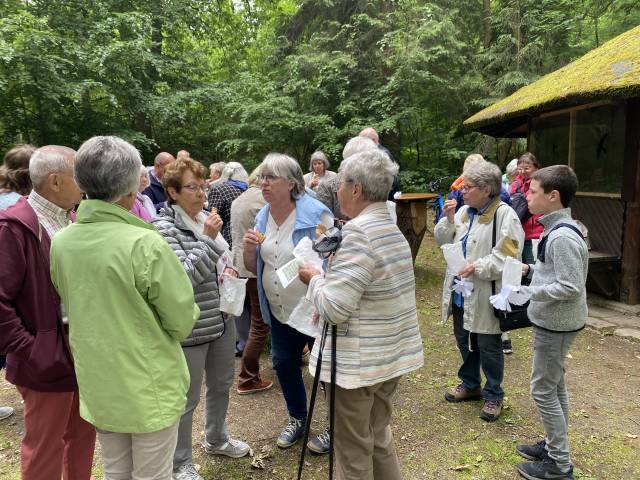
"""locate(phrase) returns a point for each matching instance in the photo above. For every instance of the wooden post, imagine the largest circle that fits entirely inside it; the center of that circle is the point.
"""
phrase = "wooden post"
(630, 282)
(411, 209)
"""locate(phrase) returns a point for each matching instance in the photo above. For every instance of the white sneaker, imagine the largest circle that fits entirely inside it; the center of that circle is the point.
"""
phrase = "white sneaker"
(231, 448)
(187, 472)
(6, 412)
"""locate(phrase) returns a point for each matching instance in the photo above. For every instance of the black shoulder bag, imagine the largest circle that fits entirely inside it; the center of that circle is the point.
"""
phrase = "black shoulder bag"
(519, 204)
(517, 317)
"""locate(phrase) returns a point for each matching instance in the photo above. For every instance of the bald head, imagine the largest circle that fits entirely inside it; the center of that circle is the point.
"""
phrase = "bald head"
(370, 133)
(51, 172)
(160, 164)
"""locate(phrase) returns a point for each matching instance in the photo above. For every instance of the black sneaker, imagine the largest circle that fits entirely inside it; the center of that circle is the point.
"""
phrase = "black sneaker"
(537, 451)
(545, 469)
(507, 348)
(320, 444)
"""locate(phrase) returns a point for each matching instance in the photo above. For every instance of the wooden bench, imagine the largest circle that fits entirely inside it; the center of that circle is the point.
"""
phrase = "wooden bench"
(604, 275)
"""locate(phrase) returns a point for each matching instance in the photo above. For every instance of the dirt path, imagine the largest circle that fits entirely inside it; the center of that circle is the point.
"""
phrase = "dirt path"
(435, 439)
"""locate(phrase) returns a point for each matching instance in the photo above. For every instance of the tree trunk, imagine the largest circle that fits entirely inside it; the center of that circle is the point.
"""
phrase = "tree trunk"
(486, 21)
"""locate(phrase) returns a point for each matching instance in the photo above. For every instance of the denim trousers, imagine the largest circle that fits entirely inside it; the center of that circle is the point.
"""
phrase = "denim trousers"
(287, 344)
(479, 351)
(549, 391)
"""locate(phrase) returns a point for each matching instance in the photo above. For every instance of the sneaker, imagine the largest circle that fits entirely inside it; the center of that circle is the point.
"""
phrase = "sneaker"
(6, 412)
(320, 444)
(231, 448)
(544, 470)
(507, 348)
(291, 433)
(461, 394)
(491, 410)
(186, 472)
(537, 451)
(258, 386)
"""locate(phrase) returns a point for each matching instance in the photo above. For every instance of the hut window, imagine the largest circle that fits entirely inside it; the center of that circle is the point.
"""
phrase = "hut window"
(599, 148)
(549, 139)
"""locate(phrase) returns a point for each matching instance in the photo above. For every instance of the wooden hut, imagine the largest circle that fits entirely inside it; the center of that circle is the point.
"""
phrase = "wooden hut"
(587, 115)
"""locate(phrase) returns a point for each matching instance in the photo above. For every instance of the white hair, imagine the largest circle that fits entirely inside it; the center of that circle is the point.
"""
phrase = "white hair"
(107, 168)
(287, 167)
(512, 167)
(217, 167)
(374, 170)
(234, 171)
(485, 174)
(48, 160)
(357, 145)
(471, 160)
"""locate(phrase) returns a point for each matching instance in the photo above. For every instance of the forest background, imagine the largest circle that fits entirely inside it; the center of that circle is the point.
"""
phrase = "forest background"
(236, 79)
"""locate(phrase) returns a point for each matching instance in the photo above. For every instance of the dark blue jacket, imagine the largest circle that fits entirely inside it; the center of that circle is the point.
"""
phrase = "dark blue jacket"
(155, 191)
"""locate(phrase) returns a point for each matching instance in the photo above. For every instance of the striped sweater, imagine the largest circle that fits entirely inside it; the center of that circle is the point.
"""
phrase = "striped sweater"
(369, 292)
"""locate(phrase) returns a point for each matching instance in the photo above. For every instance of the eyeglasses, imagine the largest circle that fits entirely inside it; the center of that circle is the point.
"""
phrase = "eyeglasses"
(467, 187)
(267, 178)
(195, 188)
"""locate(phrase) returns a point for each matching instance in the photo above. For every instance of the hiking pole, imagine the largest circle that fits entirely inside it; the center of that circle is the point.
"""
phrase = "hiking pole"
(332, 397)
(312, 401)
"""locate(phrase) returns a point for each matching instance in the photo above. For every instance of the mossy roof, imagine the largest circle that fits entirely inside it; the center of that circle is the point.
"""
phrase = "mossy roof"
(609, 71)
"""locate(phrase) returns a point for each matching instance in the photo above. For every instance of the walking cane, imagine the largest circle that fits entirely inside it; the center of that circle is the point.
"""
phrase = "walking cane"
(312, 401)
(329, 243)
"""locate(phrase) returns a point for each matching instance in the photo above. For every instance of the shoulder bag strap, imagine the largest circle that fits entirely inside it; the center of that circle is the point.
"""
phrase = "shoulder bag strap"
(493, 244)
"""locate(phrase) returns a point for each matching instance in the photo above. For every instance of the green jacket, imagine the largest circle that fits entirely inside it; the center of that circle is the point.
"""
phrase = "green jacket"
(129, 304)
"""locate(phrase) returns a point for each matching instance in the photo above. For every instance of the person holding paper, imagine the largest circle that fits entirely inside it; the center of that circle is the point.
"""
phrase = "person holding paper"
(475, 326)
(369, 293)
(195, 237)
(289, 215)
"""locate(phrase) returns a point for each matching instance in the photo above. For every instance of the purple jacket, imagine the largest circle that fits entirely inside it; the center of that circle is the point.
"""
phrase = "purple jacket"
(31, 329)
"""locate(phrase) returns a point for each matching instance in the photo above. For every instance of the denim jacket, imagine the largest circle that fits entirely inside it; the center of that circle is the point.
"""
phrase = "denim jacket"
(308, 213)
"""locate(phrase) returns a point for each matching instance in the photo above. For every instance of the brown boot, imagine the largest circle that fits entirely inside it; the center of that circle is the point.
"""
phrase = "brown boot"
(491, 410)
(461, 394)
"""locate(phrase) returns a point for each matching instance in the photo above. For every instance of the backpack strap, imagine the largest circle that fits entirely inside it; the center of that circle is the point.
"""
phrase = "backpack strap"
(543, 241)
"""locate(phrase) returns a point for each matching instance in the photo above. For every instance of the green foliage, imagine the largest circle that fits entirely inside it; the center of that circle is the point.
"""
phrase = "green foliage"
(235, 79)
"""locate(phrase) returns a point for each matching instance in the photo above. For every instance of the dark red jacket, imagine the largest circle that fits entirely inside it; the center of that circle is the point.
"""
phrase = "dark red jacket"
(31, 329)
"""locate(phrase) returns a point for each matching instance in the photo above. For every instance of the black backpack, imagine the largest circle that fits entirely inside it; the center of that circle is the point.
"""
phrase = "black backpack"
(520, 205)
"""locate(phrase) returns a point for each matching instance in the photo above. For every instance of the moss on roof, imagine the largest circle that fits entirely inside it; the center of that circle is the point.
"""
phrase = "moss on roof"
(610, 71)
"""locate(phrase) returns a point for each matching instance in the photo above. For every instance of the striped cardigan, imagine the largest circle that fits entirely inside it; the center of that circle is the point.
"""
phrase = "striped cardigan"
(369, 292)
(198, 256)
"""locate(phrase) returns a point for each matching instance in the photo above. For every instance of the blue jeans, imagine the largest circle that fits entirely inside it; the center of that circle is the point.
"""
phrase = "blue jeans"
(485, 353)
(286, 352)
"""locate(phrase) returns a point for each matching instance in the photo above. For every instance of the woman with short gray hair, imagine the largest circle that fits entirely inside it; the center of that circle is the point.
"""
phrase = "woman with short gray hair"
(476, 328)
(318, 170)
(370, 169)
(289, 215)
(126, 295)
(369, 294)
